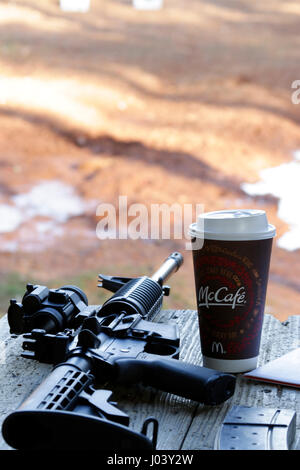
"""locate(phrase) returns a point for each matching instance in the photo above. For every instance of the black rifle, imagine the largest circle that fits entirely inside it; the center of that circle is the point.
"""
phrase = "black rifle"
(91, 345)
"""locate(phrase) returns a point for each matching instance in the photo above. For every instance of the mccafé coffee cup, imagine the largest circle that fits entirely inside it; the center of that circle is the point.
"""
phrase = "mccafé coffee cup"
(231, 275)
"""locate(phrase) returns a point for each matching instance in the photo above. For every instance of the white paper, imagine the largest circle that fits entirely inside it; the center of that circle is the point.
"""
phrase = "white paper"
(284, 370)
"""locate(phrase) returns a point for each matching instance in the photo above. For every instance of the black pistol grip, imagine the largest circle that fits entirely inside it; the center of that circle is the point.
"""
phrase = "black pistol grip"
(207, 386)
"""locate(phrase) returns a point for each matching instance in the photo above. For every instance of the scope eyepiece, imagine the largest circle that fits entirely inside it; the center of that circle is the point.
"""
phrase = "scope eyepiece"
(34, 296)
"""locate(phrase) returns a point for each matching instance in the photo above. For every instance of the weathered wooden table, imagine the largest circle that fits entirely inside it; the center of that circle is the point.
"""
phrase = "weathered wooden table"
(184, 424)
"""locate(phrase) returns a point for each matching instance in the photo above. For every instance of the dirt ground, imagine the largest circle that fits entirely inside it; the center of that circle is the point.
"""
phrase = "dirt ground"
(178, 105)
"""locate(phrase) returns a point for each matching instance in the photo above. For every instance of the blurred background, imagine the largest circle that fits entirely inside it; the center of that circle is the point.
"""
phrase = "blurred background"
(189, 103)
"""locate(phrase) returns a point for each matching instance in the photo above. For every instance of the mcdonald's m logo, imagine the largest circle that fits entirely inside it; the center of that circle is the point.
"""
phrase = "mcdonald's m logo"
(217, 347)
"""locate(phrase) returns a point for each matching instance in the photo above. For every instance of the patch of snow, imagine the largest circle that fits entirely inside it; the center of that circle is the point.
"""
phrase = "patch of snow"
(147, 4)
(283, 182)
(51, 199)
(10, 218)
(36, 218)
(80, 6)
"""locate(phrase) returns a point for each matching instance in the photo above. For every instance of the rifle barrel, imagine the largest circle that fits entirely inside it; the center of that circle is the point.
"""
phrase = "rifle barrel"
(169, 266)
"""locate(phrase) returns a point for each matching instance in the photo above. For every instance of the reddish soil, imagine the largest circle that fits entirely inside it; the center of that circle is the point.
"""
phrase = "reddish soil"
(179, 105)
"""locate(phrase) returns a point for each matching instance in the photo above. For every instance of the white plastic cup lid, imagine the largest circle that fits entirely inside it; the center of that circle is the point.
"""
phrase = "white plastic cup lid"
(244, 224)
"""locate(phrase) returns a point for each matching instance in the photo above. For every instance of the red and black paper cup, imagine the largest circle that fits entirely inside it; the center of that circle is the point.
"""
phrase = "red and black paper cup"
(231, 255)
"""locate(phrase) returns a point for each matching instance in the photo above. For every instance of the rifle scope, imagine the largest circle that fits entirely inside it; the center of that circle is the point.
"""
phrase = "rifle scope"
(51, 310)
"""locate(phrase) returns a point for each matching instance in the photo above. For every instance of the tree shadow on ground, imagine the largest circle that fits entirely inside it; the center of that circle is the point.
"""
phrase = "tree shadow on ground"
(174, 162)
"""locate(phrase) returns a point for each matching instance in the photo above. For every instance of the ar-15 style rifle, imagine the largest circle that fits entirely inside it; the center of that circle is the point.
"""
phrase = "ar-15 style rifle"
(91, 345)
